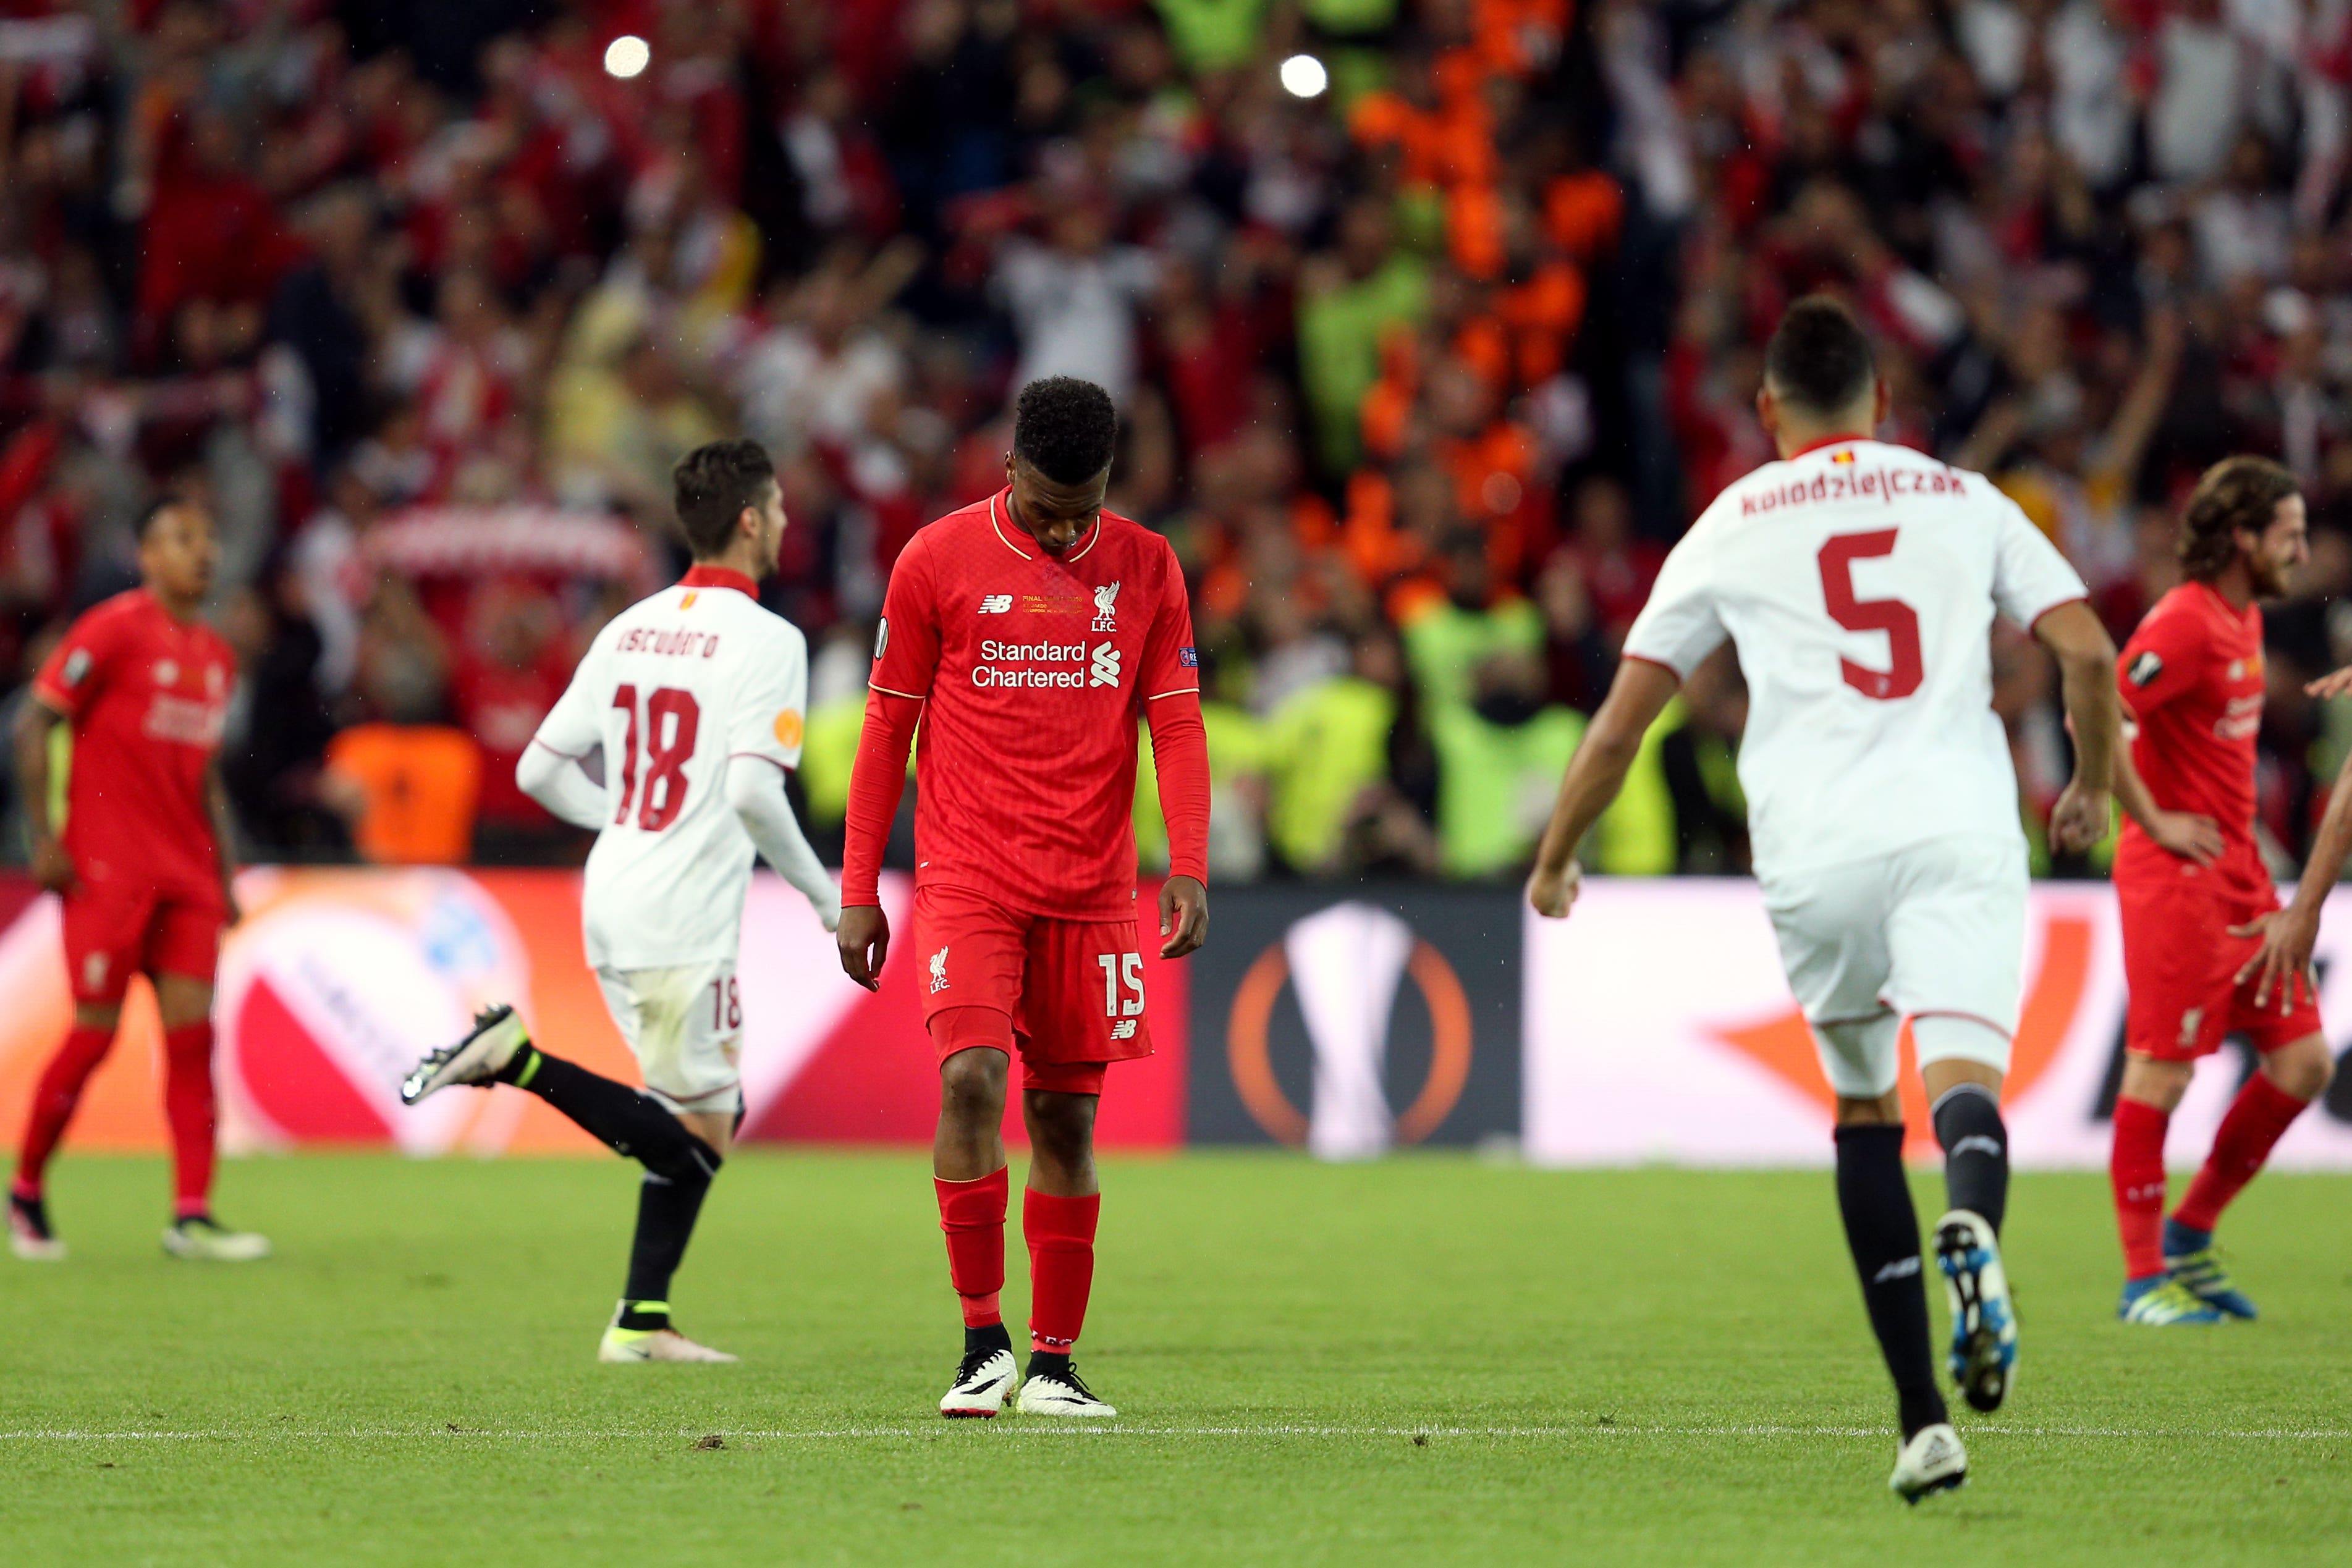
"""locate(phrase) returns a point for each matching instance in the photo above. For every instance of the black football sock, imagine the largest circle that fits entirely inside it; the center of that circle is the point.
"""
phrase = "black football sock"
(667, 1209)
(1883, 1230)
(1976, 1151)
(988, 1336)
(1047, 1364)
(630, 1123)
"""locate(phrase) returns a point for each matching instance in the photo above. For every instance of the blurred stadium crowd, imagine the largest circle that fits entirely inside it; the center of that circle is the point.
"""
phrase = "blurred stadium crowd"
(1427, 345)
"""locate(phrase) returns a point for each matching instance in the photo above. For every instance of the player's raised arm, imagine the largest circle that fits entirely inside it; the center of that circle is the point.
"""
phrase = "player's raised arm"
(2086, 663)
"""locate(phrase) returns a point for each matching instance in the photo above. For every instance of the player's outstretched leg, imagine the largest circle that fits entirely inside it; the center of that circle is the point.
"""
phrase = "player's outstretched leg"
(2292, 1077)
(971, 1183)
(1983, 1357)
(1058, 1212)
(55, 1098)
(1882, 1232)
(630, 1123)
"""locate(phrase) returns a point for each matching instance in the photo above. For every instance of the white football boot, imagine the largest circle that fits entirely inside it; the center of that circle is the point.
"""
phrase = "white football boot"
(1062, 1394)
(622, 1345)
(205, 1239)
(981, 1383)
(30, 1236)
(1932, 1461)
(481, 1056)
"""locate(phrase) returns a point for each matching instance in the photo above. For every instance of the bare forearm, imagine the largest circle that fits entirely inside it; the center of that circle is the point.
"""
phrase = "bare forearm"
(1595, 775)
(2329, 850)
(2131, 791)
(224, 827)
(31, 741)
(2089, 689)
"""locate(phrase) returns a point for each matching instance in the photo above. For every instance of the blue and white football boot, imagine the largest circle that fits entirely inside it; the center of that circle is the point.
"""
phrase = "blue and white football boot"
(1984, 1320)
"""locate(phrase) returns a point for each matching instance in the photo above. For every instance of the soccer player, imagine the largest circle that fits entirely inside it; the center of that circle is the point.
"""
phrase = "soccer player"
(1027, 633)
(2206, 952)
(144, 861)
(697, 699)
(1858, 581)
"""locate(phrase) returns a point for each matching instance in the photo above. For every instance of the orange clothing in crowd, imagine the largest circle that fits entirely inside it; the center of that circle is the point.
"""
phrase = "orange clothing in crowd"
(421, 782)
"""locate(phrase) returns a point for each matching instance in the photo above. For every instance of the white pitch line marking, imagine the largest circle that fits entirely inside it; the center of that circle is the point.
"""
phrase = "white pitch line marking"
(1113, 1429)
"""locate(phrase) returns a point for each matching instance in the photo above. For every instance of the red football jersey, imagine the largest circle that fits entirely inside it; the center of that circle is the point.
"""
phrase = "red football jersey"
(1033, 670)
(146, 695)
(2191, 679)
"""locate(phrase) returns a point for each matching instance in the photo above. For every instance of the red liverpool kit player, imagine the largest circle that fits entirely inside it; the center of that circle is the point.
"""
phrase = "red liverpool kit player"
(142, 863)
(2198, 905)
(1028, 634)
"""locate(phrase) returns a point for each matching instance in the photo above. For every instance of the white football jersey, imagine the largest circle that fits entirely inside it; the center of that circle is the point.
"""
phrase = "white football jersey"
(673, 688)
(1858, 581)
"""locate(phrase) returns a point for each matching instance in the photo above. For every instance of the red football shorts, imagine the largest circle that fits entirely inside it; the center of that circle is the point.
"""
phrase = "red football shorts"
(2181, 964)
(112, 933)
(1073, 988)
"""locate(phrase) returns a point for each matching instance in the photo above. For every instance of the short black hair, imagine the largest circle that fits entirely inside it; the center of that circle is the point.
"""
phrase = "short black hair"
(155, 509)
(1818, 360)
(714, 483)
(1064, 428)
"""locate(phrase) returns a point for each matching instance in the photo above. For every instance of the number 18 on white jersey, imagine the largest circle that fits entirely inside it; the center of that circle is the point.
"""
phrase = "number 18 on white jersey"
(673, 688)
(1858, 581)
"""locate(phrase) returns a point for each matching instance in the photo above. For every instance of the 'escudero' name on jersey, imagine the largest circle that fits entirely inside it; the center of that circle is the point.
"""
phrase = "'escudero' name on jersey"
(674, 689)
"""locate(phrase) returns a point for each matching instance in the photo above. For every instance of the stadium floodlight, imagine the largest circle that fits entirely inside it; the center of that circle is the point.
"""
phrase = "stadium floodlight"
(1303, 76)
(627, 57)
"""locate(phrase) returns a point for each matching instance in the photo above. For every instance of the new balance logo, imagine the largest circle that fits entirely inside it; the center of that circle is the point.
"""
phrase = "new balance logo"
(939, 971)
(996, 604)
(1901, 1269)
(1124, 1029)
(1105, 672)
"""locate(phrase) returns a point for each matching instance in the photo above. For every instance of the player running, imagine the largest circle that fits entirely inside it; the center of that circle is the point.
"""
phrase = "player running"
(1027, 633)
(144, 861)
(697, 698)
(1858, 583)
(2206, 951)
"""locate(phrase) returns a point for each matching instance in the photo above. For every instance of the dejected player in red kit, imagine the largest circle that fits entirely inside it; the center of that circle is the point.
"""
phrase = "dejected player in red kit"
(2199, 906)
(142, 860)
(1028, 634)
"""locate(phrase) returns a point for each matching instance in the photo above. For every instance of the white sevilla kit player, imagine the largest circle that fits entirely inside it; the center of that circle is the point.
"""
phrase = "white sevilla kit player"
(1859, 581)
(698, 699)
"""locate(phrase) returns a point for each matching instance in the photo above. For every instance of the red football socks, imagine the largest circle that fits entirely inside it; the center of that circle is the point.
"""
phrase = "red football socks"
(188, 1106)
(1061, 1236)
(2136, 1170)
(54, 1099)
(972, 1213)
(2257, 1117)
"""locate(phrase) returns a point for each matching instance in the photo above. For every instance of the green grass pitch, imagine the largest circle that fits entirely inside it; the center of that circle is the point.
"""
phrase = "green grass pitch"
(1427, 1360)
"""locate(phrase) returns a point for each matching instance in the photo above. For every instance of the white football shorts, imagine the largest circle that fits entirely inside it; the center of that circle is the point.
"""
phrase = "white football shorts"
(685, 1026)
(1934, 929)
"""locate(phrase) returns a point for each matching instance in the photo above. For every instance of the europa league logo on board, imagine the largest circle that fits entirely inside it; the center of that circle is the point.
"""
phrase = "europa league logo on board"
(1347, 965)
